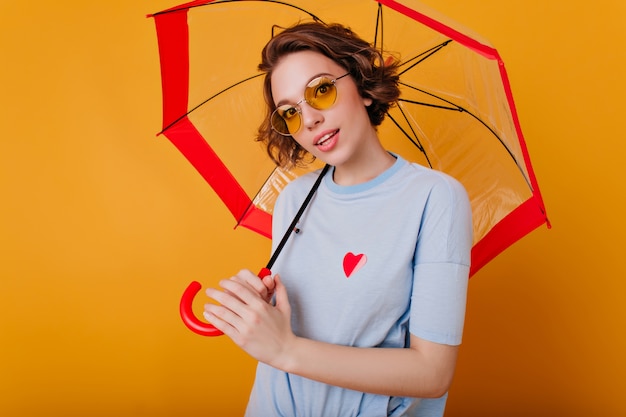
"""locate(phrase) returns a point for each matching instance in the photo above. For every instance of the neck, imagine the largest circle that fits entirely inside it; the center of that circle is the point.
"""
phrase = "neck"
(365, 167)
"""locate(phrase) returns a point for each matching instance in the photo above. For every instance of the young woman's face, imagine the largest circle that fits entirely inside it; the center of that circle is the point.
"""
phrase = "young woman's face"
(335, 134)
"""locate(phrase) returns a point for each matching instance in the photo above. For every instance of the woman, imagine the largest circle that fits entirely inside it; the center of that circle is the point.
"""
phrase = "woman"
(369, 296)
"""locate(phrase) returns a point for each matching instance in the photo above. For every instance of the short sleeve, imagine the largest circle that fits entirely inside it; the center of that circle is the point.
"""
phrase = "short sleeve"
(441, 265)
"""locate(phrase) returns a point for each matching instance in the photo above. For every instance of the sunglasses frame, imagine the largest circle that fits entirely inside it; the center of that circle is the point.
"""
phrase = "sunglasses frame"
(297, 107)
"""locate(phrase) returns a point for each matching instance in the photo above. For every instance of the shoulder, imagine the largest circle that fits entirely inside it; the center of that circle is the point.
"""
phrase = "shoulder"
(446, 205)
(446, 230)
(304, 181)
(300, 185)
(295, 192)
(440, 187)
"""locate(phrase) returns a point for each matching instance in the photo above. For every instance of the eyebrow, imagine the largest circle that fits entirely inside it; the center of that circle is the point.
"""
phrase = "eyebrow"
(322, 74)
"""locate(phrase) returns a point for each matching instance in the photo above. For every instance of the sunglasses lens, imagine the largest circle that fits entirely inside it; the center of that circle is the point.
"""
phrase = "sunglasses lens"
(321, 93)
(286, 120)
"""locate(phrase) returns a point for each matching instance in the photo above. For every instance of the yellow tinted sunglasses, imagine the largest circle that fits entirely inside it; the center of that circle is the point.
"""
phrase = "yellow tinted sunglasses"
(320, 93)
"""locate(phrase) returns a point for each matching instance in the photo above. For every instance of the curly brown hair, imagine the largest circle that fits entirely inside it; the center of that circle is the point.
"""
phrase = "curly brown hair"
(375, 79)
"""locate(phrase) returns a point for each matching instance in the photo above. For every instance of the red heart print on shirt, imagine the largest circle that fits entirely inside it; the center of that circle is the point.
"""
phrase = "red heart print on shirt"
(352, 263)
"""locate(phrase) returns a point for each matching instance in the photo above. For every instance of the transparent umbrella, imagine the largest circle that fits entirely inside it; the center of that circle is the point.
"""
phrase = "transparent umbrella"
(456, 113)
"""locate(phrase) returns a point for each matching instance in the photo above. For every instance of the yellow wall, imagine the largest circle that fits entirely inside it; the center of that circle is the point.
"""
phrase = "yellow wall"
(102, 225)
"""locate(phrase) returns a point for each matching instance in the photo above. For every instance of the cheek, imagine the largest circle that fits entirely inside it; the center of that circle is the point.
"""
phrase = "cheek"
(299, 140)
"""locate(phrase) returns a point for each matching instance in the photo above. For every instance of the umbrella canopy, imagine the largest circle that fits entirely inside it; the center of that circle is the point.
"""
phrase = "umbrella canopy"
(456, 113)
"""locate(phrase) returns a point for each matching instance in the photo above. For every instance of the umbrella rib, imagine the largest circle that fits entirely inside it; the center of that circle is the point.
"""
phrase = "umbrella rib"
(379, 27)
(209, 99)
(437, 106)
(424, 55)
(212, 3)
(414, 139)
(456, 107)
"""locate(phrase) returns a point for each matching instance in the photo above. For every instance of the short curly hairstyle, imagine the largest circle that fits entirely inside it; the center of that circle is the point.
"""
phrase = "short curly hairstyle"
(375, 78)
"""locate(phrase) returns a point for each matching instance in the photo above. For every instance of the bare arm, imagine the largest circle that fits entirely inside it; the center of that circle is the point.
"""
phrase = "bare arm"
(425, 369)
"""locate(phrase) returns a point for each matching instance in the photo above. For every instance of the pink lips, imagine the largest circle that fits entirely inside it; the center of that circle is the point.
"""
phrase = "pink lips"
(327, 140)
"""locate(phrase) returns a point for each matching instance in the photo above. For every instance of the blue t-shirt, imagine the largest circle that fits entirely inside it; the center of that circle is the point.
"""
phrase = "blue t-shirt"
(371, 263)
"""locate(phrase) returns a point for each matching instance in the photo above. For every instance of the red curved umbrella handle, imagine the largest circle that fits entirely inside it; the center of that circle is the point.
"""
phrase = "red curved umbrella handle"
(186, 312)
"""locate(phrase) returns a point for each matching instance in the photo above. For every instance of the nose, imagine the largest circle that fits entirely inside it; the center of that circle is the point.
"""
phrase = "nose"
(311, 117)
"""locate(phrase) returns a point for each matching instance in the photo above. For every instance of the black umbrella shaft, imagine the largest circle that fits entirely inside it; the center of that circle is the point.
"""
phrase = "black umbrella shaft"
(296, 219)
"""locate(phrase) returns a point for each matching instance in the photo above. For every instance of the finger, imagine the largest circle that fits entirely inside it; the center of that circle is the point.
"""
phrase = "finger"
(229, 301)
(246, 277)
(282, 300)
(270, 284)
(244, 304)
(241, 291)
(214, 314)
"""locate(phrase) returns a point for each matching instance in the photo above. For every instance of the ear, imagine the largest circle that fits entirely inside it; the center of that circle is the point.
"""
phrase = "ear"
(367, 102)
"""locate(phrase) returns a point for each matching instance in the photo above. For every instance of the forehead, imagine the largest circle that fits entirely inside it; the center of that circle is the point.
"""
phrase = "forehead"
(294, 71)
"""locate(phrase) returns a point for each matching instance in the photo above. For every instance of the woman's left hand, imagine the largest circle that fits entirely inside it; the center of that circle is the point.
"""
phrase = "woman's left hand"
(259, 328)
